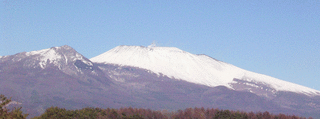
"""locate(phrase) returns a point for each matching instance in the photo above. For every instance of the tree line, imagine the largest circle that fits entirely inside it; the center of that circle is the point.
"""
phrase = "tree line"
(138, 113)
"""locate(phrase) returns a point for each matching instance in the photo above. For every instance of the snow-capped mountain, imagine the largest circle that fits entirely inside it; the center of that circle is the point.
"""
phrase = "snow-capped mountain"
(64, 58)
(145, 77)
(56, 76)
(57, 56)
(199, 69)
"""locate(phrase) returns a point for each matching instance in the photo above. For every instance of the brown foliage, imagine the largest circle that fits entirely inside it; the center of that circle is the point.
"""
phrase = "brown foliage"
(139, 113)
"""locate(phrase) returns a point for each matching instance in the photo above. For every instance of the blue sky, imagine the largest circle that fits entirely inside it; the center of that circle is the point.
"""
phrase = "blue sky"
(272, 37)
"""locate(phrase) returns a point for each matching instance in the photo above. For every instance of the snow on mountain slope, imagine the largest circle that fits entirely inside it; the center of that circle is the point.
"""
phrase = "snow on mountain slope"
(64, 58)
(46, 56)
(56, 56)
(199, 69)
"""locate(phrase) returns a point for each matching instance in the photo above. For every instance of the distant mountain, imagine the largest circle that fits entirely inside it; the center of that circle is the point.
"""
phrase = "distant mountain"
(145, 77)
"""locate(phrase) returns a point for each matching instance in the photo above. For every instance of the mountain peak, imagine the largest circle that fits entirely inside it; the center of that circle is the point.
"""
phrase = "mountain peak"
(64, 58)
(66, 47)
(199, 69)
(54, 55)
(51, 51)
(172, 62)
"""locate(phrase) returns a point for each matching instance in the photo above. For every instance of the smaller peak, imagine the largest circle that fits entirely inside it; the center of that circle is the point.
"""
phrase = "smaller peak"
(52, 49)
(65, 47)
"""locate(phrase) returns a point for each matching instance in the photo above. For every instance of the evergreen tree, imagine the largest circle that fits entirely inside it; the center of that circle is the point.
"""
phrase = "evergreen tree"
(5, 113)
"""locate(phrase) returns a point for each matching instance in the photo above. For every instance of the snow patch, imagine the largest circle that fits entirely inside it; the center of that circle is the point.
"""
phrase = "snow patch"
(250, 84)
(86, 62)
(46, 56)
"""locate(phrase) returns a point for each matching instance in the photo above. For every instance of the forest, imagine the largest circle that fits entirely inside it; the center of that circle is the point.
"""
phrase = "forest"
(137, 113)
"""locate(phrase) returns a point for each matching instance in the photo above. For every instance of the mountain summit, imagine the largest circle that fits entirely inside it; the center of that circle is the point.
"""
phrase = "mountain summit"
(199, 69)
(64, 58)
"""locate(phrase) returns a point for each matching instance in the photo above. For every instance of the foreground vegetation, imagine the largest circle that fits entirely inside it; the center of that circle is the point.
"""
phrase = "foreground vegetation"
(5, 113)
(137, 113)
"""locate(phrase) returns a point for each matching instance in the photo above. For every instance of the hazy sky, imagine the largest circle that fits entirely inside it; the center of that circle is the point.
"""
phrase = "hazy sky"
(280, 38)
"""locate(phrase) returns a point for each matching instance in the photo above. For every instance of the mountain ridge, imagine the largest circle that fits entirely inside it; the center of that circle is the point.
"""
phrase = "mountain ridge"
(72, 81)
(53, 54)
